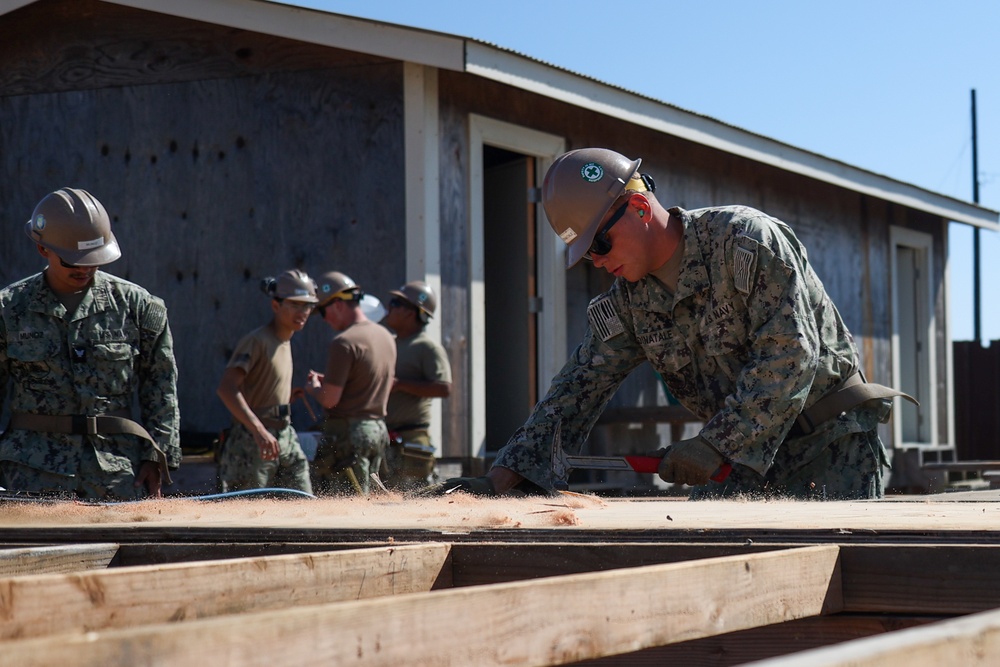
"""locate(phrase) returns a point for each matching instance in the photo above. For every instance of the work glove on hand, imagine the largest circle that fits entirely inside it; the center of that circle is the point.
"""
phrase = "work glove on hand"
(692, 462)
(476, 486)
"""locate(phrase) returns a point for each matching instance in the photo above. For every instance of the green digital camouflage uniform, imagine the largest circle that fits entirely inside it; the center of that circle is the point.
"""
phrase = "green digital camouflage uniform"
(241, 466)
(748, 341)
(350, 450)
(89, 363)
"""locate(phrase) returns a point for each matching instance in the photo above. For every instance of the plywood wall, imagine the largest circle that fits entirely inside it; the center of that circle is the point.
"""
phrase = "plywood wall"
(222, 157)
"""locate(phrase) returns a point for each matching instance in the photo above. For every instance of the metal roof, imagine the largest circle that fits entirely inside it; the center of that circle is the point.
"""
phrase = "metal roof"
(463, 54)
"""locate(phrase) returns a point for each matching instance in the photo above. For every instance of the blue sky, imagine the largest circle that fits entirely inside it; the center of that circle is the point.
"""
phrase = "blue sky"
(881, 84)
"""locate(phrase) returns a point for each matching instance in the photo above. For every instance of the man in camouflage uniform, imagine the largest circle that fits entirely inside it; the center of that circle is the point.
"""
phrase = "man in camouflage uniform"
(262, 450)
(422, 374)
(726, 307)
(75, 345)
(354, 390)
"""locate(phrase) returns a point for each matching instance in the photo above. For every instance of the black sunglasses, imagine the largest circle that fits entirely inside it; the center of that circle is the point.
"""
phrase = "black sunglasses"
(63, 263)
(396, 302)
(601, 245)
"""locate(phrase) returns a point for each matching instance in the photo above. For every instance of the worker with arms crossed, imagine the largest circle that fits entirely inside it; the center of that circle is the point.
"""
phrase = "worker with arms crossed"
(724, 304)
(78, 347)
(422, 374)
(354, 390)
(262, 450)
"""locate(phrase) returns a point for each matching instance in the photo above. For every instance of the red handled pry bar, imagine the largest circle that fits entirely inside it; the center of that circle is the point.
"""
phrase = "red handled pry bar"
(563, 463)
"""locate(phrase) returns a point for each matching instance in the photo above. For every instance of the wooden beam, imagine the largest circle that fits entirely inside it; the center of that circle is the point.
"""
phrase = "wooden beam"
(547, 621)
(43, 560)
(770, 641)
(127, 597)
(970, 641)
(907, 579)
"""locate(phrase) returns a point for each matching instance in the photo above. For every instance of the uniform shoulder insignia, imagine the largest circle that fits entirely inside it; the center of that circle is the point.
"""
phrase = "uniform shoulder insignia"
(744, 268)
(154, 316)
(604, 319)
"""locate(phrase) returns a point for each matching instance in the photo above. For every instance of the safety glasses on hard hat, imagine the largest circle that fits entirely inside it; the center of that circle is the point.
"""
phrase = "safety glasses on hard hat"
(601, 245)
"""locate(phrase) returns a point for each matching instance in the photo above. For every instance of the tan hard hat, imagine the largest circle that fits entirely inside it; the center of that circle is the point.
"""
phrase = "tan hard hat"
(295, 285)
(336, 285)
(419, 294)
(75, 226)
(579, 189)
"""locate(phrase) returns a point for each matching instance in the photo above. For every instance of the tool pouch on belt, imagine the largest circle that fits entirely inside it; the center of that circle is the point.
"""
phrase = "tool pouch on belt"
(849, 394)
(90, 425)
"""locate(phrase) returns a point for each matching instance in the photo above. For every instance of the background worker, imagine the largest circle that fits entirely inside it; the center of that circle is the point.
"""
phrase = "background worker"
(354, 390)
(724, 304)
(262, 449)
(422, 373)
(77, 348)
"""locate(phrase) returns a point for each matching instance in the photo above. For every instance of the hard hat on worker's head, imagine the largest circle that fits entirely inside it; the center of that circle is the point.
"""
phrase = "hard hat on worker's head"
(75, 227)
(293, 285)
(419, 295)
(334, 285)
(580, 188)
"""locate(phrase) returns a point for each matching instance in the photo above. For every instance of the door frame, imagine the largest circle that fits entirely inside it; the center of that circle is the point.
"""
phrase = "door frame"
(551, 275)
(923, 244)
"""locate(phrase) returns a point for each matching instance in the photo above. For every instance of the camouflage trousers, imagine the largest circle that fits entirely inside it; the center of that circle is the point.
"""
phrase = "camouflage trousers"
(849, 468)
(349, 451)
(241, 466)
(91, 481)
(409, 460)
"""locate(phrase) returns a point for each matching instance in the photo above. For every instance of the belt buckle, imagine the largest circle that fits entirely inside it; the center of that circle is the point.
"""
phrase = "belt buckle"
(84, 425)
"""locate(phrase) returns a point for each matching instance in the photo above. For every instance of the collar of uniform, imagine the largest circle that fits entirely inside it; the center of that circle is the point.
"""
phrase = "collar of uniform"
(693, 276)
(97, 298)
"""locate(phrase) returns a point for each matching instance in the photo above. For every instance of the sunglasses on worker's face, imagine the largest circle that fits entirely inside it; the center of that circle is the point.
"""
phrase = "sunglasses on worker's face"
(601, 245)
(66, 265)
(396, 302)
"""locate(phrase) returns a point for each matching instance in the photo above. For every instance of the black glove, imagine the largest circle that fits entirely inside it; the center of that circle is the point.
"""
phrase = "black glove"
(692, 461)
(476, 486)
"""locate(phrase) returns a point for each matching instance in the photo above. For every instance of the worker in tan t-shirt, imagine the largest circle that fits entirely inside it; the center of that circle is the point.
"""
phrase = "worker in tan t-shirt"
(354, 390)
(262, 449)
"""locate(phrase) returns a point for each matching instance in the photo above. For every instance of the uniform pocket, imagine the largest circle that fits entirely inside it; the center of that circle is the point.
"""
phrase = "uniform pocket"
(31, 363)
(113, 365)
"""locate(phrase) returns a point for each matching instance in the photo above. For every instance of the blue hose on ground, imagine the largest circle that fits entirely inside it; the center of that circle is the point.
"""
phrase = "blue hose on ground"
(12, 496)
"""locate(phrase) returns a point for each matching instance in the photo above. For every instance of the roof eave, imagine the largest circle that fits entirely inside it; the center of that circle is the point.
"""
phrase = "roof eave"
(519, 71)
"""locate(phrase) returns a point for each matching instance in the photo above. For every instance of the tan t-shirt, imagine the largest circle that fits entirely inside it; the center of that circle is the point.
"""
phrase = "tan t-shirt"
(362, 360)
(418, 358)
(267, 361)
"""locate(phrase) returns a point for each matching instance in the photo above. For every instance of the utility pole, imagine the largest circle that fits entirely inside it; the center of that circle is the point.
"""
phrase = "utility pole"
(976, 319)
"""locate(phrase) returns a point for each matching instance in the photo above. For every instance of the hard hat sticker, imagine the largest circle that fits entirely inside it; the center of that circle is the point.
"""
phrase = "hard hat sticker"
(592, 172)
(87, 245)
(604, 318)
(39, 222)
(568, 235)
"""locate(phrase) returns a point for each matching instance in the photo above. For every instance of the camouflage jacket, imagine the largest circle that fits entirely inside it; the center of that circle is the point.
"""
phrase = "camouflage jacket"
(749, 340)
(116, 345)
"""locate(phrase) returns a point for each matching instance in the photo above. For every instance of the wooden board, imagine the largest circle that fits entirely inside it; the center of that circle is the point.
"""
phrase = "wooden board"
(128, 597)
(546, 621)
(42, 560)
(972, 641)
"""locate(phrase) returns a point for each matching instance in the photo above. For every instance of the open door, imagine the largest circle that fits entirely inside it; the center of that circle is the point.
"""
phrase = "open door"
(511, 298)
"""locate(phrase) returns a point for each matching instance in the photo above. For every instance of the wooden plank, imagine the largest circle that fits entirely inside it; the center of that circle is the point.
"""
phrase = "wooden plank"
(126, 597)
(770, 641)
(547, 621)
(909, 579)
(970, 641)
(492, 563)
(45, 560)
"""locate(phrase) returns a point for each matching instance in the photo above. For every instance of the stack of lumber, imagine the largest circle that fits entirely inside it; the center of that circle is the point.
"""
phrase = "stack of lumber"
(534, 581)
